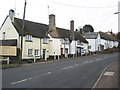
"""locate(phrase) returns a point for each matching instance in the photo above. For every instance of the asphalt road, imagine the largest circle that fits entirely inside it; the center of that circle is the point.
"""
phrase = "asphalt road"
(76, 73)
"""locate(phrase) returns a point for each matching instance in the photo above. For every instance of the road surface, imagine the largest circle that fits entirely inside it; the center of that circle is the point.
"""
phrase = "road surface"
(76, 73)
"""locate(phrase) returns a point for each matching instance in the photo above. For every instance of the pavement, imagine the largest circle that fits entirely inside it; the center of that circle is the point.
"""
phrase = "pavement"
(109, 77)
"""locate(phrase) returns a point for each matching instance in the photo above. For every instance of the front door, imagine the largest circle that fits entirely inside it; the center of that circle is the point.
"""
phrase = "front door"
(44, 53)
(61, 51)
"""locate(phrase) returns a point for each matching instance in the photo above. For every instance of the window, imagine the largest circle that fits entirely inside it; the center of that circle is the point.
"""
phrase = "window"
(28, 38)
(67, 40)
(36, 52)
(30, 52)
(45, 40)
(89, 47)
(62, 41)
(79, 43)
(3, 35)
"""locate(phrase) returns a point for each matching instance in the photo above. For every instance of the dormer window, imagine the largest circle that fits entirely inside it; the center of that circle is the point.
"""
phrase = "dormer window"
(28, 38)
(45, 41)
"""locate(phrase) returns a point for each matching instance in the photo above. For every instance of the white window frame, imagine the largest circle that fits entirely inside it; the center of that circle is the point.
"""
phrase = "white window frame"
(45, 41)
(62, 41)
(36, 52)
(67, 40)
(28, 38)
(30, 52)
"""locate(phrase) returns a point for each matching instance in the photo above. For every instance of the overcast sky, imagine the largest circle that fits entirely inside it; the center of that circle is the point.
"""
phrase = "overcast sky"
(98, 13)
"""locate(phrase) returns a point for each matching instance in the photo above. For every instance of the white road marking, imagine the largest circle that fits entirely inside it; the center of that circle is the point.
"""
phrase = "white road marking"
(98, 59)
(76, 64)
(109, 73)
(19, 81)
(106, 57)
(85, 62)
(70, 66)
(100, 76)
(64, 68)
(31, 78)
(90, 61)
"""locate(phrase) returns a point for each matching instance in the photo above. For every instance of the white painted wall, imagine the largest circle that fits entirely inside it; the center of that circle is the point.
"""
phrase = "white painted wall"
(54, 46)
(115, 43)
(110, 44)
(86, 47)
(73, 45)
(10, 31)
(92, 44)
(65, 45)
(105, 43)
(35, 44)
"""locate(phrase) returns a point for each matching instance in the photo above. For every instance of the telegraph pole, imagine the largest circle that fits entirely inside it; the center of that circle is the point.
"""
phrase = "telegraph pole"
(22, 32)
(119, 16)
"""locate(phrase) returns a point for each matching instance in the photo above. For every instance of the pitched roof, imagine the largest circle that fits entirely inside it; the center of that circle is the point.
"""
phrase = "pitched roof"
(80, 37)
(41, 30)
(4, 21)
(107, 36)
(33, 28)
(90, 35)
(64, 33)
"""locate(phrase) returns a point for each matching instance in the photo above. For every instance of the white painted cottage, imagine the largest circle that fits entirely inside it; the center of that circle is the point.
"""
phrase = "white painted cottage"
(40, 40)
(94, 41)
(99, 41)
(64, 42)
(108, 40)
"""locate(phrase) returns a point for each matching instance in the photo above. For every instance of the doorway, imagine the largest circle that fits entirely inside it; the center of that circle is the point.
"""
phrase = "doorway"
(44, 53)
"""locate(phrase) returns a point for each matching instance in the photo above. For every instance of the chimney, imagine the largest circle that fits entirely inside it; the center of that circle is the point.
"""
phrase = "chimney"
(81, 31)
(72, 29)
(11, 15)
(52, 26)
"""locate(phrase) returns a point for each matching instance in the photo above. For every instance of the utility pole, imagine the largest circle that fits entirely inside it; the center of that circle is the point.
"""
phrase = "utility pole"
(22, 32)
(118, 12)
(119, 16)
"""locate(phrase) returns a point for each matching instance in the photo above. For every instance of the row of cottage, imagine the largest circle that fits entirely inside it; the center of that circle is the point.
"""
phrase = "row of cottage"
(50, 42)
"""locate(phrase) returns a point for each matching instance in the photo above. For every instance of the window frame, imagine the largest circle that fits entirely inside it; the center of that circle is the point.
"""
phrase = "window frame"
(89, 47)
(30, 52)
(45, 40)
(36, 52)
(28, 38)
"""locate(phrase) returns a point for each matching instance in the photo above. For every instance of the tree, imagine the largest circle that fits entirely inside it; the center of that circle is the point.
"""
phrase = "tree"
(118, 36)
(88, 28)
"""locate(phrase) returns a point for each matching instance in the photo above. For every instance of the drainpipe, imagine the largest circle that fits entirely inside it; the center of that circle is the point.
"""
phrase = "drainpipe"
(64, 46)
(40, 48)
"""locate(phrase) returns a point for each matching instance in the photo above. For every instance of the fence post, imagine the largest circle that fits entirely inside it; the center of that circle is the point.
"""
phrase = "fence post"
(8, 61)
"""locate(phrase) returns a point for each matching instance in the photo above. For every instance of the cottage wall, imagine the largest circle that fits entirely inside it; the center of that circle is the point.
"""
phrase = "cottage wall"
(9, 31)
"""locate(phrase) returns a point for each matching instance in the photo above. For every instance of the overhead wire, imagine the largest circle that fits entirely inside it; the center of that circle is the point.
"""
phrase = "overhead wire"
(76, 6)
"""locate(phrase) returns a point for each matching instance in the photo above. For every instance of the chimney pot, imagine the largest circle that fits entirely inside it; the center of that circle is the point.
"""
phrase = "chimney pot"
(11, 15)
